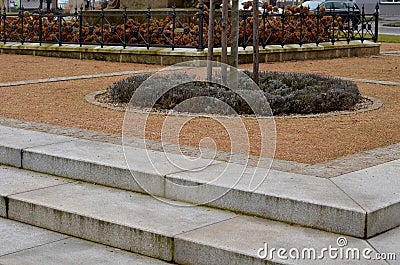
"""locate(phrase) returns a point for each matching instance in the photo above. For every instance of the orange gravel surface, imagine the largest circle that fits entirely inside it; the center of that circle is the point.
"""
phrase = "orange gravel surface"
(307, 140)
(24, 67)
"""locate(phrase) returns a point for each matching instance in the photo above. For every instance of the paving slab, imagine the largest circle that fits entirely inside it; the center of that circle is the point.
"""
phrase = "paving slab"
(243, 240)
(122, 219)
(289, 197)
(389, 244)
(377, 190)
(75, 251)
(14, 180)
(106, 164)
(13, 141)
(15, 237)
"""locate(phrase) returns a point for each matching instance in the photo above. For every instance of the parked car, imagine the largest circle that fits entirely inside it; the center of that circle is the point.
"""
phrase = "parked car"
(347, 10)
(242, 4)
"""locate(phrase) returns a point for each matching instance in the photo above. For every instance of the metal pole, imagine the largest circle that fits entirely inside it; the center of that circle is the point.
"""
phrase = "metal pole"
(102, 27)
(244, 17)
(125, 20)
(21, 16)
(173, 27)
(264, 16)
(318, 16)
(362, 24)
(200, 45)
(148, 26)
(40, 26)
(80, 26)
(376, 15)
(59, 29)
(283, 27)
(4, 24)
(301, 25)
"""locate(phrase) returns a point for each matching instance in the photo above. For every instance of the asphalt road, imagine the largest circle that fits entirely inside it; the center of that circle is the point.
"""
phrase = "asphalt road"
(389, 30)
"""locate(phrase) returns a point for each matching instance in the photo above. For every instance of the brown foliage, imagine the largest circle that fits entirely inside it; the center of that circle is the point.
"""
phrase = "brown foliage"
(299, 26)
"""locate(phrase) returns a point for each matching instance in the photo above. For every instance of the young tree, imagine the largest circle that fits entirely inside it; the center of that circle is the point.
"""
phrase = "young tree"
(234, 59)
(210, 52)
(255, 41)
(224, 41)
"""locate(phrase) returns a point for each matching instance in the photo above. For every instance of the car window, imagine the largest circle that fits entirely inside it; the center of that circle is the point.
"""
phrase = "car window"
(338, 5)
(328, 5)
(312, 5)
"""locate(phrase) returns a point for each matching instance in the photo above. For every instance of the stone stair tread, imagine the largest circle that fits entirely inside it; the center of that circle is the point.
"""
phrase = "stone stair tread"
(241, 238)
(24, 244)
(123, 219)
(175, 232)
(334, 204)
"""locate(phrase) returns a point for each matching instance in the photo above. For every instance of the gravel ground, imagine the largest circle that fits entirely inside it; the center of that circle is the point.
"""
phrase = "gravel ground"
(307, 140)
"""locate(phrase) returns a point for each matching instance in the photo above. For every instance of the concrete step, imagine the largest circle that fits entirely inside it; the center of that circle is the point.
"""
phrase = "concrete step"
(356, 204)
(166, 230)
(25, 244)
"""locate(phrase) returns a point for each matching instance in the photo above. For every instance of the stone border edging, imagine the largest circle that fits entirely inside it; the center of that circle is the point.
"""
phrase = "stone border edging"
(165, 56)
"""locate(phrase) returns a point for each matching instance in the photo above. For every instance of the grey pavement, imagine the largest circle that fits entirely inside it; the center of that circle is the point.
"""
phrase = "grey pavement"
(332, 204)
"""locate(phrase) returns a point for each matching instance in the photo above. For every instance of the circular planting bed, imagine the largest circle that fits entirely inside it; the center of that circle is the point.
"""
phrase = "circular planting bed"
(286, 93)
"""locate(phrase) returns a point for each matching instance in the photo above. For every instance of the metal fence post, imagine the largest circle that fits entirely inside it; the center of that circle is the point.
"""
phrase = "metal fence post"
(333, 28)
(80, 26)
(40, 27)
(200, 45)
(59, 29)
(125, 21)
(102, 27)
(4, 25)
(21, 16)
(283, 27)
(363, 26)
(173, 15)
(264, 16)
(244, 17)
(148, 15)
(348, 23)
(376, 15)
(318, 16)
(302, 15)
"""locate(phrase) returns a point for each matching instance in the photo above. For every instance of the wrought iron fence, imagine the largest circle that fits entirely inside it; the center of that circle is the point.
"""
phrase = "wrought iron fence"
(295, 25)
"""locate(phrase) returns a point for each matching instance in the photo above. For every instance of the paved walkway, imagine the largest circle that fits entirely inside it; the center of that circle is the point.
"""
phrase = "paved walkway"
(24, 244)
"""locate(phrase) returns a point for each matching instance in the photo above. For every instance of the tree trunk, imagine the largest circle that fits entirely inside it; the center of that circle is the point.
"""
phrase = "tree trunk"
(224, 41)
(210, 53)
(255, 41)
(234, 59)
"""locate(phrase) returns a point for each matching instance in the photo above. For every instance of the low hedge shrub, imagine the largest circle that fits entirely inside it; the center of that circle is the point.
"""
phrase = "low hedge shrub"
(287, 93)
